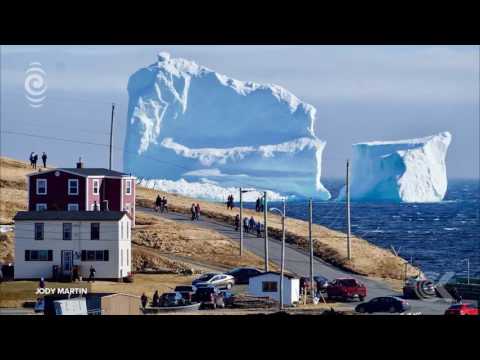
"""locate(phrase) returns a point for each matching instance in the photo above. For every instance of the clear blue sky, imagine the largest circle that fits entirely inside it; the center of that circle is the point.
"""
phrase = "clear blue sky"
(361, 93)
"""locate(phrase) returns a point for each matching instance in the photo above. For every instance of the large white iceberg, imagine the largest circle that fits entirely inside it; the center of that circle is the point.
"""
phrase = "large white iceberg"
(401, 171)
(188, 122)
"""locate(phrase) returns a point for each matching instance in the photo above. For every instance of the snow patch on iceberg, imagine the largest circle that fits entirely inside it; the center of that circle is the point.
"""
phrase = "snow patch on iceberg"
(401, 171)
(188, 122)
(204, 189)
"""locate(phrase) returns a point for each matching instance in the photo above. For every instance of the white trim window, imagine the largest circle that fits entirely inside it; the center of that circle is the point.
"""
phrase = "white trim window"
(41, 207)
(72, 186)
(41, 186)
(96, 186)
(128, 187)
(72, 207)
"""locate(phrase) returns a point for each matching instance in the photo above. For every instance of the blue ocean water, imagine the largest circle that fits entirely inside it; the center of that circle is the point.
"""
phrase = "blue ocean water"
(438, 237)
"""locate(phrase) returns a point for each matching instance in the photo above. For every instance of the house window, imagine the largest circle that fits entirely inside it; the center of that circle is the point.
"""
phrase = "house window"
(96, 186)
(269, 286)
(72, 207)
(95, 231)
(41, 186)
(128, 187)
(41, 207)
(94, 255)
(72, 186)
(38, 231)
(38, 255)
(67, 231)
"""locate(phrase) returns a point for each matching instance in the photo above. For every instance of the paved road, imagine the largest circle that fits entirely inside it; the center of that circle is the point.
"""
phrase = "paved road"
(297, 261)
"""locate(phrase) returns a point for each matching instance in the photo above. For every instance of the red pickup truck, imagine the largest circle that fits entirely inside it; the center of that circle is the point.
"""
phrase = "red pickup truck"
(346, 289)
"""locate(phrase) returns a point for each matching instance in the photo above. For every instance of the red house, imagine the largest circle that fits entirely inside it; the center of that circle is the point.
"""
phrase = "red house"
(81, 189)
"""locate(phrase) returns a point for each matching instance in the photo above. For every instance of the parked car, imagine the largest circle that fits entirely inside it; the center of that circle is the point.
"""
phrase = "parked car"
(462, 309)
(222, 281)
(228, 297)
(242, 275)
(391, 304)
(209, 296)
(346, 289)
(187, 292)
(171, 299)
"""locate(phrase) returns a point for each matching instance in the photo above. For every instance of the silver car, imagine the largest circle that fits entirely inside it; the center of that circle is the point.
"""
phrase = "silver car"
(221, 281)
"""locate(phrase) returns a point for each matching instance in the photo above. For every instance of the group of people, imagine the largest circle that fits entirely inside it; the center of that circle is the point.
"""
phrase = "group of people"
(259, 205)
(34, 159)
(249, 225)
(161, 204)
(195, 210)
(230, 202)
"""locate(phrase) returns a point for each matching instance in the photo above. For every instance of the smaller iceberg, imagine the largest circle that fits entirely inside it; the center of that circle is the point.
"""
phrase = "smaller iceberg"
(400, 171)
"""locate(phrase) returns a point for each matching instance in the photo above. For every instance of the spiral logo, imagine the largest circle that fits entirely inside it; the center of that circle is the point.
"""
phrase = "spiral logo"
(35, 85)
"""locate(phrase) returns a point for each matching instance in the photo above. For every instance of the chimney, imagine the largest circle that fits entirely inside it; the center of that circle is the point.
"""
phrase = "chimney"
(80, 163)
(104, 205)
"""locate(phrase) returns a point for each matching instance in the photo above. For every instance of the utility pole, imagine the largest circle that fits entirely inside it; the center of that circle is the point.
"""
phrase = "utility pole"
(347, 188)
(241, 223)
(282, 263)
(310, 238)
(265, 206)
(111, 136)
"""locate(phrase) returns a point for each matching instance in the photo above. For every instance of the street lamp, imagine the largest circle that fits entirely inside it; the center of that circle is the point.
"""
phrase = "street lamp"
(468, 270)
(241, 218)
(282, 261)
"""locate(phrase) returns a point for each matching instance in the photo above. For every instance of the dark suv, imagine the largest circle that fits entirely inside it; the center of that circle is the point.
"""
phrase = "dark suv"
(209, 296)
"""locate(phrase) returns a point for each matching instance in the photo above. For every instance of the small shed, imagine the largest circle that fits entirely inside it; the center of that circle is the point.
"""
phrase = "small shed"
(267, 284)
(113, 304)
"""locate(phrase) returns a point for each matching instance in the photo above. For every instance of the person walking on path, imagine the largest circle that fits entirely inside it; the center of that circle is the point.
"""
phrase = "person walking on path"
(144, 300)
(245, 224)
(237, 222)
(193, 211)
(164, 206)
(197, 211)
(259, 229)
(92, 274)
(158, 203)
(251, 224)
(44, 159)
(257, 205)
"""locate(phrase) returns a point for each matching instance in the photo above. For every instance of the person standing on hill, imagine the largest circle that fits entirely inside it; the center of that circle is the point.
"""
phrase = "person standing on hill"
(35, 159)
(31, 159)
(251, 224)
(259, 229)
(193, 211)
(197, 211)
(44, 159)
(257, 205)
(245, 224)
(158, 203)
(156, 299)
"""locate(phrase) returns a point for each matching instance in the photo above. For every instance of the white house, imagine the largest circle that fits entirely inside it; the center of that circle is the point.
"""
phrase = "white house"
(268, 285)
(72, 238)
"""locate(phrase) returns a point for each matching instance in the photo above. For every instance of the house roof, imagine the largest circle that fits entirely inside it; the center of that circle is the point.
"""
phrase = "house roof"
(70, 215)
(85, 172)
(274, 273)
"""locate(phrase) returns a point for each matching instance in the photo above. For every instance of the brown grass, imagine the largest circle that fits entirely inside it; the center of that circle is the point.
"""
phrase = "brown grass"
(191, 242)
(330, 245)
(15, 293)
